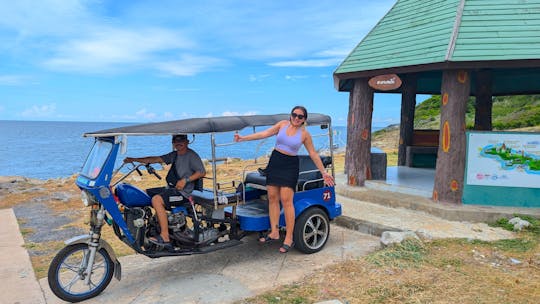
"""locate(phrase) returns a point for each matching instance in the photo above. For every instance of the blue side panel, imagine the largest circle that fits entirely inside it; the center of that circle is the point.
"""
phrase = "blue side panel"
(106, 198)
(501, 196)
(255, 223)
(253, 216)
(132, 196)
(324, 198)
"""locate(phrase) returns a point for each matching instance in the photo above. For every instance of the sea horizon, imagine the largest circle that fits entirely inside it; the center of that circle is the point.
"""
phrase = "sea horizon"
(57, 149)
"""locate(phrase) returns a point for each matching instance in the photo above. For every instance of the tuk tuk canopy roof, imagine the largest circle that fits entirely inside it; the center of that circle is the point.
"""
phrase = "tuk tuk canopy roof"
(205, 125)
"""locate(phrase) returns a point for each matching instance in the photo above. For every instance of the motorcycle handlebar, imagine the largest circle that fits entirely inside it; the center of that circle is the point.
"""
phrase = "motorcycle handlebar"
(151, 170)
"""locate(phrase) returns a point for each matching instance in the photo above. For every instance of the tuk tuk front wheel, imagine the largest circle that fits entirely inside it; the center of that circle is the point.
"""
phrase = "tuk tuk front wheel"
(311, 230)
(68, 270)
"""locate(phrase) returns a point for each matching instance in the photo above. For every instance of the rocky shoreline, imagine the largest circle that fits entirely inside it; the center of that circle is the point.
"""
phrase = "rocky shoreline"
(44, 211)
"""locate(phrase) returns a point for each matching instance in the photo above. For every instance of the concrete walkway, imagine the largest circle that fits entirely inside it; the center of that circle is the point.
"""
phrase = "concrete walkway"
(18, 282)
(223, 276)
(248, 269)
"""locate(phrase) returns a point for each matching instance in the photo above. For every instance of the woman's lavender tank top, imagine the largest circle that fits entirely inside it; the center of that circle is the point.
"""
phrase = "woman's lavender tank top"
(288, 144)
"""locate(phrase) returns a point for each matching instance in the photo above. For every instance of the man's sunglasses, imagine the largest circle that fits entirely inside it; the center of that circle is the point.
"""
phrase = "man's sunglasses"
(299, 116)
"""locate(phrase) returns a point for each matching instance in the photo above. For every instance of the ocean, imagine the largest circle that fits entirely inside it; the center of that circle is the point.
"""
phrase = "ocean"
(52, 149)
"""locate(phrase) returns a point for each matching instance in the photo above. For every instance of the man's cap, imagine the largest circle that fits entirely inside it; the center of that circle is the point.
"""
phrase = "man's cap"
(179, 137)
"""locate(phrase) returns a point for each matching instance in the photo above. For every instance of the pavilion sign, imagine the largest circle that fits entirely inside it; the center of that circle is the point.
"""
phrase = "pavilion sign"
(385, 82)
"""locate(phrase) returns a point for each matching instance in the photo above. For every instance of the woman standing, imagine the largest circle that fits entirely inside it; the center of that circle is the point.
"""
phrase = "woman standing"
(283, 169)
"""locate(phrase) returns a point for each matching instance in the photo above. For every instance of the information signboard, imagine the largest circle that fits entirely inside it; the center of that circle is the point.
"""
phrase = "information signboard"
(504, 159)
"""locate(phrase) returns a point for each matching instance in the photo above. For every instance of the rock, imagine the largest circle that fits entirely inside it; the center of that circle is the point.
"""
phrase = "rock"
(477, 229)
(423, 234)
(61, 196)
(519, 224)
(395, 237)
(19, 184)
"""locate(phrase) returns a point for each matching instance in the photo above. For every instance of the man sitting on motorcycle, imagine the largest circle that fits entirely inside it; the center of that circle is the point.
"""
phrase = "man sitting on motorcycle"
(187, 167)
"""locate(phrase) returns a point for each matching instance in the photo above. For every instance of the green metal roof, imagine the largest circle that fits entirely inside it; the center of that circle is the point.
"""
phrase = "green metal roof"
(433, 35)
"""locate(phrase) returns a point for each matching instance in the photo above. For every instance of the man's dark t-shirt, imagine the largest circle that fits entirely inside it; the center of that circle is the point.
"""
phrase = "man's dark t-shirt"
(186, 165)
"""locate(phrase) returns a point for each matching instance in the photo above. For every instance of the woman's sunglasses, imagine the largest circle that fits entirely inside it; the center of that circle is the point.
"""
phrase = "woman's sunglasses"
(299, 116)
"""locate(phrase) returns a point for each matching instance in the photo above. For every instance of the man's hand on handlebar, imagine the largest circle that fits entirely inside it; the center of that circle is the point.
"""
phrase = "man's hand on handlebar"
(181, 184)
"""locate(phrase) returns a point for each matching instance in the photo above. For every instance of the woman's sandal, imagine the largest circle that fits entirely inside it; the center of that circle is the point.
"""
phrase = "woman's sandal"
(285, 248)
(266, 239)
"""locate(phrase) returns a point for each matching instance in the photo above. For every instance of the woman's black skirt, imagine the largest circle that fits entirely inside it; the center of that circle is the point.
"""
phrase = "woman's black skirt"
(282, 170)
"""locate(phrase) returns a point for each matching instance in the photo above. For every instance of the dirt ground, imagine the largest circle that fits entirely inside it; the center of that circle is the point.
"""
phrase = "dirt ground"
(444, 271)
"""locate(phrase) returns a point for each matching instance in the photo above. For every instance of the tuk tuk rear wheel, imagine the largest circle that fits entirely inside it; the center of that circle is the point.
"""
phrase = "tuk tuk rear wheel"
(67, 273)
(311, 230)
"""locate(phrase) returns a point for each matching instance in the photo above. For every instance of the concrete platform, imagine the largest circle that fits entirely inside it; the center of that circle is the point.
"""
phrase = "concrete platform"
(411, 188)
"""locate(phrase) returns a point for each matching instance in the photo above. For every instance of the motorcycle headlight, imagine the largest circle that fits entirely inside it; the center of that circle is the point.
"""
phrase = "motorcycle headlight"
(87, 198)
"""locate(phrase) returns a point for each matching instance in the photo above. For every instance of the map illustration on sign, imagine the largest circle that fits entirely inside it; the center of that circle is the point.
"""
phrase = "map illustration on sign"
(513, 159)
(503, 159)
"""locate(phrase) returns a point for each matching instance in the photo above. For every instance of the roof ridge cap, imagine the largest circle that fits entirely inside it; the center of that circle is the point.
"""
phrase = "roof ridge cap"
(455, 31)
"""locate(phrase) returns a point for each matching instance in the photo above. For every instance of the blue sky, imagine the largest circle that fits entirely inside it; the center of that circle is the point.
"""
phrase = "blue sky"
(141, 61)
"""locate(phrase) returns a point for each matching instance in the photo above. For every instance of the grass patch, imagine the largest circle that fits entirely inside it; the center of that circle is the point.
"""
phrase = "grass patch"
(26, 231)
(534, 228)
(441, 271)
(409, 253)
(289, 294)
(516, 245)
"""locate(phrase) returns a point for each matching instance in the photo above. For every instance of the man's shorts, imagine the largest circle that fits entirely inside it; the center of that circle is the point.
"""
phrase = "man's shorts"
(170, 196)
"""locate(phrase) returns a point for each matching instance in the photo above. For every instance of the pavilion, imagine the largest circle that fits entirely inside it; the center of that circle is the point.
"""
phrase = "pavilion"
(452, 48)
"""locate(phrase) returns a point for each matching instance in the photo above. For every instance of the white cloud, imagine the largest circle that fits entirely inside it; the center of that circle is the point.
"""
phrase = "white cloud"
(276, 29)
(168, 115)
(233, 113)
(29, 18)
(102, 36)
(295, 77)
(310, 63)
(42, 111)
(145, 115)
(109, 49)
(187, 90)
(258, 78)
(188, 65)
(13, 80)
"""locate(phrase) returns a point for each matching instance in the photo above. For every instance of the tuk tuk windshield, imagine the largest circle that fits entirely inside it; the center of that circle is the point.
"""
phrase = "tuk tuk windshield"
(96, 159)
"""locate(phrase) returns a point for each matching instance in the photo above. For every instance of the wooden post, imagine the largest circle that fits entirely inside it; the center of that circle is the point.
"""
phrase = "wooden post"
(449, 174)
(358, 152)
(484, 102)
(406, 126)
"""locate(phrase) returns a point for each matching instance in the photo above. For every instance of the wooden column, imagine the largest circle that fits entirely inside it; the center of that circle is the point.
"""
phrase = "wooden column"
(484, 102)
(357, 155)
(406, 126)
(449, 175)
